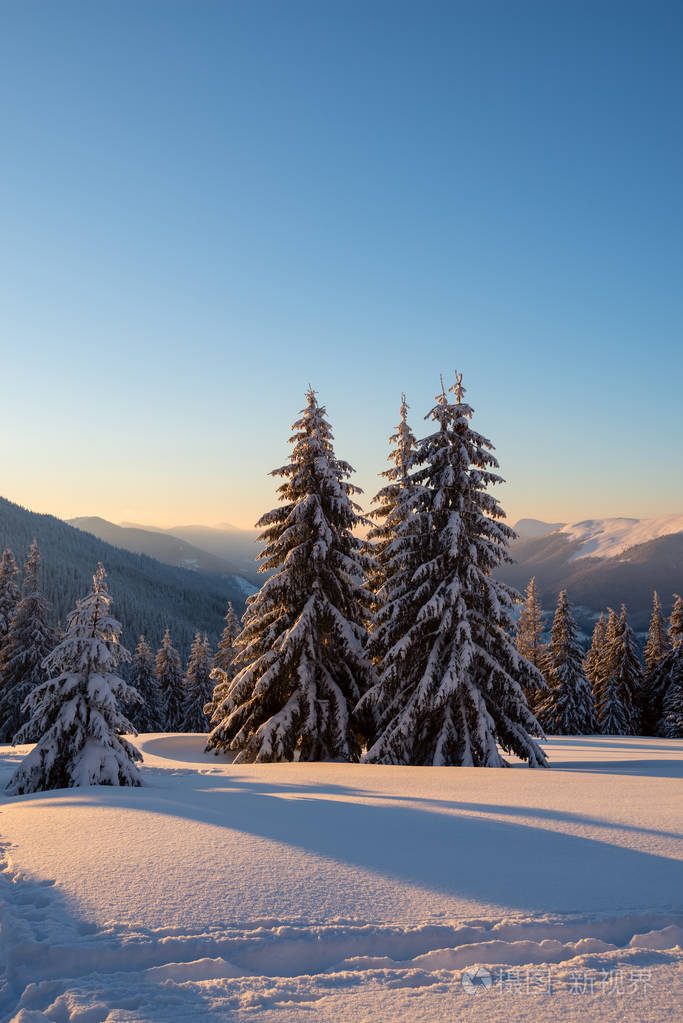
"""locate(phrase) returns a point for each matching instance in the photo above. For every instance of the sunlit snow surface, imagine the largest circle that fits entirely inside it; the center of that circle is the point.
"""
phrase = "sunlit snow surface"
(333, 892)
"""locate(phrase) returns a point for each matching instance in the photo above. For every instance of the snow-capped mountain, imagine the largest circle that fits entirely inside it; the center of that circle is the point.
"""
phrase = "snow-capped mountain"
(607, 538)
(601, 563)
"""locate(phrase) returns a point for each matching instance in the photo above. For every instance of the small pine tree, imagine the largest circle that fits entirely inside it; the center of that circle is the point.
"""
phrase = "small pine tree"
(225, 654)
(393, 505)
(608, 707)
(222, 675)
(596, 655)
(145, 713)
(529, 639)
(620, 684)
(629, 672)
(657, 645)
(672, 721)
(9, 594)
(198, 686)
(302, 664)
(28, 642)
(171, 685)
(76, 712)
(567, 709)
(676, 621)
(451, 683)
(656, 650)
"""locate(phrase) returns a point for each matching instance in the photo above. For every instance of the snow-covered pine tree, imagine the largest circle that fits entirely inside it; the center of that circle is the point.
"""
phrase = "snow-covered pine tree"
(225, 654)
(198, 686)
(301, 663)
(28, 642)
(609, 708)
(171, 684)
(657, 645)
(567, 708)
(676, 621)
(76, 712)
(620, 683)
(452, 681)
(145, 713)
(9, 594)
(392, 506)
(223, 671)
(529, 633)
(671, 726)
(629, 672)
(654, 684)
(529, 639)
(595, 657)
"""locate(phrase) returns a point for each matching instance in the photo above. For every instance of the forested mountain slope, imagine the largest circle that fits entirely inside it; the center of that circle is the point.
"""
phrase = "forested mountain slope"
(148, 596)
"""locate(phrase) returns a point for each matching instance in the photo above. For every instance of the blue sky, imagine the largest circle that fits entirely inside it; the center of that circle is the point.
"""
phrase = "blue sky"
(207, 205)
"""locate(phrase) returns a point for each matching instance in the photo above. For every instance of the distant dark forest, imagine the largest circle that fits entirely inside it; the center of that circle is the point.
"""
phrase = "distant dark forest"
(148, 596)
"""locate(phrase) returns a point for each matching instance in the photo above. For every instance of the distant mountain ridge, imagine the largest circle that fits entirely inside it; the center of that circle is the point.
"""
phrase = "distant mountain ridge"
(148, 595)
(163, 545)
(562, 559)
(607, 538)
(603, 538)
(236, 546)
(529, 529)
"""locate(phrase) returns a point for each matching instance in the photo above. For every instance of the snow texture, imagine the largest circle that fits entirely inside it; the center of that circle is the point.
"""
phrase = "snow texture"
(334, 892)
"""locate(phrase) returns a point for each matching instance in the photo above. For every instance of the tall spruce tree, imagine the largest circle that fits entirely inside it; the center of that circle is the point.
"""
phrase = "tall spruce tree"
(198, 686)
(671, 725)
(393, 506)
(301, 663)
(676, 621)
(171, 684)
(9, 594)
(654, 683)
(146, 713)
(29, 640)
(567, 708)
(452, 681)
(76, 712)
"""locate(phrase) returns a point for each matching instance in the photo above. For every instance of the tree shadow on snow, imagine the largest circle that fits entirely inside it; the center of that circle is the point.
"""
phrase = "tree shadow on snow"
(517, 864)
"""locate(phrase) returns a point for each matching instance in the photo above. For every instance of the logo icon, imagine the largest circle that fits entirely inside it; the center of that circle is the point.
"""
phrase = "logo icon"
(477, 980)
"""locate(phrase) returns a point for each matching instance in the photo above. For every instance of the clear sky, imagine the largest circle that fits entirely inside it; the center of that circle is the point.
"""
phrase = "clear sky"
(204, 206)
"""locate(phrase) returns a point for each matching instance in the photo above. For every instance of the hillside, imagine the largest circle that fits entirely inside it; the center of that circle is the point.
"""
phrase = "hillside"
(595, 583)
(148, 595)
(226, 542)
(607, 538)
(160, 544)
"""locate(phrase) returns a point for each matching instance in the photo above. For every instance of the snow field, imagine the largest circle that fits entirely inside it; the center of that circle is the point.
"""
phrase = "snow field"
(334, 891)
